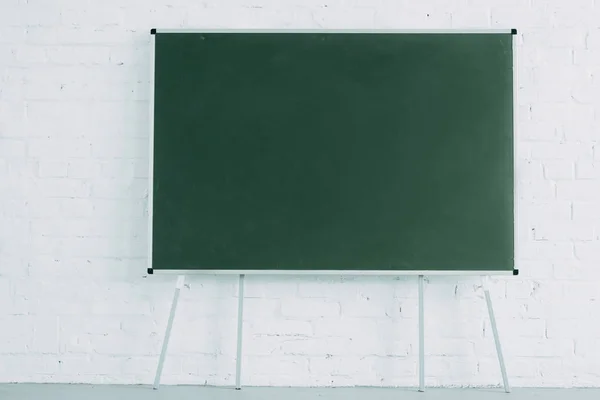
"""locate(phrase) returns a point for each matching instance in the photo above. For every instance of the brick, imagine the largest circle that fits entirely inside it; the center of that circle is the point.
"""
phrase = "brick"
(315, 346)
(515, 328)
(22, 168)
(538, 211)
(88, 246)
(276, 327)
(593, 36)
(553, 231)
(561, 151)
(123, 148)
(581, 131)
(540, 191)
(579, 191)
(585, 91)
(52, 169)
(536, 130)
(261, 308)
(79, 55)
(19, 338)
(51, 148)
(586, 169)
(529, 169)
(120, 307)
(271, 287)
(119, 189)
(339, 365)
(76, 207)
(585, 211)
(449, 347)
(12, 34)
(34, 299)
(6, 295)
(546, 251)
(120, 168)
(363, 308)
(582, 292)
(553, 90)
(448, 370)
(89, 364)
(27, 55)
(586, 57)
(12, 118)
(309, 308)
(520, 367)
(84, 227)
(117, 208)
(571, 328)
(574, 112)
(545, 36)
(526, 347)
(574, 270)
(413, 19)
(476, 17)
(43, 15)
(129, 55)
(327, 287)
(65, 35)
(559, 170)
(74, 119)
(84, 168)
(14, 235)
(551, 309)
(521, 289)
(535, 269)
(124, 344)
(544, 55)
(12, 364)
(45, 335)
(285, 365)
(588, 348)
(345, 327)
(63, 188)
(12, 148)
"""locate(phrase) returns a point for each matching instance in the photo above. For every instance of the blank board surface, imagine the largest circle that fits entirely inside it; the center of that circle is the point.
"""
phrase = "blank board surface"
(333, 151)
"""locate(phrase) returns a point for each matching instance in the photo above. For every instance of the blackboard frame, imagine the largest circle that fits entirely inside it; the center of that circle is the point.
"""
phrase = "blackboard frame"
(152, 270)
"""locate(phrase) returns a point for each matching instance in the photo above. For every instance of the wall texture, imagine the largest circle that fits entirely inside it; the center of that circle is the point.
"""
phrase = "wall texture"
(76, 306)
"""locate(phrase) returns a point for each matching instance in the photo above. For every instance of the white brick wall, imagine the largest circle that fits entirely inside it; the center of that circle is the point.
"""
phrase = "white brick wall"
(75, 305)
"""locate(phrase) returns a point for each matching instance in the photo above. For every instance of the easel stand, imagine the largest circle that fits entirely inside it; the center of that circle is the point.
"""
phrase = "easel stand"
(238, 369)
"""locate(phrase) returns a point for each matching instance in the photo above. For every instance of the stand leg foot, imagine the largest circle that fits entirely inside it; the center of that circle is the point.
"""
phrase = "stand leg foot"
(421, 338)
(488, 300)
(163, 353)
(238, 361)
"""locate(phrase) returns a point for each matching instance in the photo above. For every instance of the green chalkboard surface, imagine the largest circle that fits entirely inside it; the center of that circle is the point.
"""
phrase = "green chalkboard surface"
(332, 151)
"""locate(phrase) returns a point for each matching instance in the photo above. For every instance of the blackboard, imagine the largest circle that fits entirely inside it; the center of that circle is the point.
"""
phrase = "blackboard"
(315, 151)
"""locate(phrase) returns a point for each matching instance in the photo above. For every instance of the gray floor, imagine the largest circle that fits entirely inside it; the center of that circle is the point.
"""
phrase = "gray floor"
(92, 392)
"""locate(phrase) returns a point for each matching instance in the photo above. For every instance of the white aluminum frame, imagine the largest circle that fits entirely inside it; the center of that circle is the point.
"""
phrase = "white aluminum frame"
(329, 272)
(250, 30)
(307, 272)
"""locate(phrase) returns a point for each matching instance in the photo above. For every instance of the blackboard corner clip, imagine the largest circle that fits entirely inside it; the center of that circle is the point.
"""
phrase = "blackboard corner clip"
(515, 272)
(150, 271)
(153, 31)
(513, 31)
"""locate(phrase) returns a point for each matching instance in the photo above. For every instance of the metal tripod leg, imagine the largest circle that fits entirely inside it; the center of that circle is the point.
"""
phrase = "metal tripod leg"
(488, 300)
(238, 361)
(163, 353)
(421, 338)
